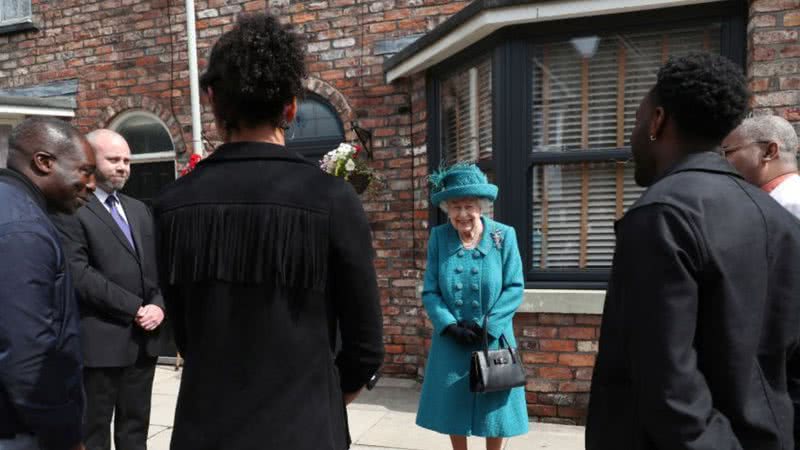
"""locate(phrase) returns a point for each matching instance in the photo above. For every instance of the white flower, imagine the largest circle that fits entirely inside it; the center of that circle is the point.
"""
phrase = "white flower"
(344, 152)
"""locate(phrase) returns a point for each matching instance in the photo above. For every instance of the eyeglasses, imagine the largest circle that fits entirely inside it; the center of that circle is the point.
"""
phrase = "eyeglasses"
(725, 151)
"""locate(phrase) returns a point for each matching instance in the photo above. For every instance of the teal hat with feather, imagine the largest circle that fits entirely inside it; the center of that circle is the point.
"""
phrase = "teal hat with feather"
(459, 181)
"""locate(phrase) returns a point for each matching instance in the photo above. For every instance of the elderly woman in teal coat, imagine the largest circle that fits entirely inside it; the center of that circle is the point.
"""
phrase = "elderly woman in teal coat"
(474, 269)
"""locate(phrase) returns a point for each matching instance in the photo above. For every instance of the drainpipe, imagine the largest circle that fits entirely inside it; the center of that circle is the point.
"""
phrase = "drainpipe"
(194, 85)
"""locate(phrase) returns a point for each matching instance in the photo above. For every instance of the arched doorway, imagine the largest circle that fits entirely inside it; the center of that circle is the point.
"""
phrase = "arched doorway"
(152, 153)
(316, 130)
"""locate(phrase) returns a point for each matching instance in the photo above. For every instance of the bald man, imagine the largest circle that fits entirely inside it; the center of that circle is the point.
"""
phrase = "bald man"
(111, 252)
(50, 168)
(764, 150)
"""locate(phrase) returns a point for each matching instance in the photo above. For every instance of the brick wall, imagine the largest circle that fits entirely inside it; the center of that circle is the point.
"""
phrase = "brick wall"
(121, 52)
(559, 352)
(774, 58)
(131, 54)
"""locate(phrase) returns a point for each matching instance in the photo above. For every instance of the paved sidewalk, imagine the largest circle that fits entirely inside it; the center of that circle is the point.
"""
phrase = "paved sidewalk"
(381, 419)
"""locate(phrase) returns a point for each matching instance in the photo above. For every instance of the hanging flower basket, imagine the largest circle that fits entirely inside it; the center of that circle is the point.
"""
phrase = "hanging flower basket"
(360, 181)
(344, 162)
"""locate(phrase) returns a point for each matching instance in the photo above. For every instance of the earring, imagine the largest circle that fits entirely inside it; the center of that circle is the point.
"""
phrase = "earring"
(286, 126)
(652, 138)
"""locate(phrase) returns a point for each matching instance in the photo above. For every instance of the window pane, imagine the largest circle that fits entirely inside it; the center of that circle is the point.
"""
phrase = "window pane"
(314, 121)
(466, 108)
(586, 89)
(575, 206)
(145, 135)
(585, 94)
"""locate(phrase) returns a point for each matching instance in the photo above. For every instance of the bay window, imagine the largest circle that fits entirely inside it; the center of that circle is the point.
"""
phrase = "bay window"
(547, 110)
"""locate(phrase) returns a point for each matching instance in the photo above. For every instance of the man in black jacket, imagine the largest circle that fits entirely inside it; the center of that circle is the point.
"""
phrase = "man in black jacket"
(111, 252)
(50, 168)
(702, 309)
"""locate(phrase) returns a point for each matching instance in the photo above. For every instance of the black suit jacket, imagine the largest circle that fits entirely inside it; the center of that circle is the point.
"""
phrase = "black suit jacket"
(701, 318)
(113, 280)
(263, 255)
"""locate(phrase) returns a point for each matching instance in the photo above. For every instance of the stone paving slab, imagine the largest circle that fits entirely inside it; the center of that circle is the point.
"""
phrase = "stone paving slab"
(381, 419)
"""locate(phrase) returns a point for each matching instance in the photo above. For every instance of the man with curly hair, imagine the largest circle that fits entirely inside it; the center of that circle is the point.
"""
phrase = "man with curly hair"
(263, 258)
(701, 314)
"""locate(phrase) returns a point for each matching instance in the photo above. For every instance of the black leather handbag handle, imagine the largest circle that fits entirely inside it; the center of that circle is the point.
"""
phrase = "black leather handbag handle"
(503, 341)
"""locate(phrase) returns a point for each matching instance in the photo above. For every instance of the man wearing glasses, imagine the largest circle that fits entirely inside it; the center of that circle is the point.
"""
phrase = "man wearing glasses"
(764, 150)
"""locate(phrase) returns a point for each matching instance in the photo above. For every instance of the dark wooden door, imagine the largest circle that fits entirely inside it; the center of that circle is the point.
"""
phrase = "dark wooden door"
(147, 180)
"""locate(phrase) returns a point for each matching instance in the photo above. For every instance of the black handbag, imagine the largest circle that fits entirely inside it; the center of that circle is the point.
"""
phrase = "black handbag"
(495, 370)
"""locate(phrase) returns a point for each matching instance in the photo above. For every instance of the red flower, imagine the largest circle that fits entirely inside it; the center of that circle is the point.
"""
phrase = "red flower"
(358, 149)
(193, 160)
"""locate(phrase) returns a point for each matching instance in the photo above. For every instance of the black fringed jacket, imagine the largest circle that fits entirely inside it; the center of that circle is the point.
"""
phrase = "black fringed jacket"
(262, 256)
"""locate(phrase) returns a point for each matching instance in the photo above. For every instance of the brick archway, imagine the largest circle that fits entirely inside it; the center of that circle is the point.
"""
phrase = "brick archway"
(337, 100)
(153, 106)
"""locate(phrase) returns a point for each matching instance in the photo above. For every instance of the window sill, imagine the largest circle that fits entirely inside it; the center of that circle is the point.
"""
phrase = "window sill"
(153, 157)
(18, 27)
(563, 301)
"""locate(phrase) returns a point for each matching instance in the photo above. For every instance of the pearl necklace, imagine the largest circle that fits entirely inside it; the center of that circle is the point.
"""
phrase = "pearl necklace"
(472, 243)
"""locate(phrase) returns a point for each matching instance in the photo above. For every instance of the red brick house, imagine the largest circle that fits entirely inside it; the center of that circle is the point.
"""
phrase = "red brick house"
(540, 93)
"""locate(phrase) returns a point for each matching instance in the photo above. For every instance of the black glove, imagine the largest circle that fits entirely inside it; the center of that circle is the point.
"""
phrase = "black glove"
(472, 326)
(462, 335)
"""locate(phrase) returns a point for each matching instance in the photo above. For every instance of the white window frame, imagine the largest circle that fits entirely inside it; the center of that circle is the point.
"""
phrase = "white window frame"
(12, 120)
(489, 21)
(145, 157)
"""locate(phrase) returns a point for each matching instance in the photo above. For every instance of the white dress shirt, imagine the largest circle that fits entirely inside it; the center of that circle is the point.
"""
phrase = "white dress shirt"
(103, 196)
(788, 194)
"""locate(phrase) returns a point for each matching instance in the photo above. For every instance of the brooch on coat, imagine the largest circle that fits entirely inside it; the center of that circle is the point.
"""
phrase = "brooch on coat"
(497, 237)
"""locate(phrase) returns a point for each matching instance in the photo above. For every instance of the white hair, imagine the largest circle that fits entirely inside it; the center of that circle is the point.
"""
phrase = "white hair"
(483, 203)
(775, 129)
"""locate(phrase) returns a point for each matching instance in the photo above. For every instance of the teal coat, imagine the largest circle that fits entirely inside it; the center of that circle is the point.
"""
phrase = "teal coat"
(464, 285)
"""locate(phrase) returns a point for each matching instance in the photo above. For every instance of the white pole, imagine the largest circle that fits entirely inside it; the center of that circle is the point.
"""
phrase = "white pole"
(194, 85)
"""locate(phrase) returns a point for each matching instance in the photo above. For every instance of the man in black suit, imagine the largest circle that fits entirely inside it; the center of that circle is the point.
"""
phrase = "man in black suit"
(112, 257)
